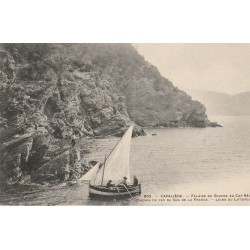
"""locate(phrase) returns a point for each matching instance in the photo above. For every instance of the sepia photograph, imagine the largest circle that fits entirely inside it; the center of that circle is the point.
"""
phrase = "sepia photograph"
(124, 124)
(119, 124)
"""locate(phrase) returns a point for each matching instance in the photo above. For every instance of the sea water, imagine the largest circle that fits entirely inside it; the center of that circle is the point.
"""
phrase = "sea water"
(175, 161)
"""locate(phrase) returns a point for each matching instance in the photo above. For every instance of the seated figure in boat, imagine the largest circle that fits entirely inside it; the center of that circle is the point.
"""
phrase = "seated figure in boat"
(124, 182)
(109, 184)
(135, 182)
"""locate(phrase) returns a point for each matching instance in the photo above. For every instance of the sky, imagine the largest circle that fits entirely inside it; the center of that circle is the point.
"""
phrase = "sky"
(216, 67)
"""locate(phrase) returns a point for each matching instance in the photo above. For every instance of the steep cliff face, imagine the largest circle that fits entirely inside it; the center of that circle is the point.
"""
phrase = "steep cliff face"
(88, 86)
(48, 92)
(151, 100)
(50, 87)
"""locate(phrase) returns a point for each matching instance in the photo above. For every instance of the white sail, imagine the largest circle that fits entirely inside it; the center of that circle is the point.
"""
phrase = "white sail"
(117, 164)
(91, 174)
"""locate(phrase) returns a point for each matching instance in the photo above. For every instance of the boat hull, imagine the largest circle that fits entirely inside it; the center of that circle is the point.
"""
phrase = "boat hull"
(100, 192)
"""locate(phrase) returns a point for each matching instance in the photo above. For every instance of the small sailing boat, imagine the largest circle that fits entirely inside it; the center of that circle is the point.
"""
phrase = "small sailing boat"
(115, 168)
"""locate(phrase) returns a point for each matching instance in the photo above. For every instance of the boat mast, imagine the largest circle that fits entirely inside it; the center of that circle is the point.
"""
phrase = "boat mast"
(103, 170)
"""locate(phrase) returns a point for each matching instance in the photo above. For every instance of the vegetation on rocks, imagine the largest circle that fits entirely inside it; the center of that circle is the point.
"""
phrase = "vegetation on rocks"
(51, 92)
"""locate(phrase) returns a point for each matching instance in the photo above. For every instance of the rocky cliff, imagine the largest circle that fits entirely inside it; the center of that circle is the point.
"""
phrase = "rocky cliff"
(51, 92)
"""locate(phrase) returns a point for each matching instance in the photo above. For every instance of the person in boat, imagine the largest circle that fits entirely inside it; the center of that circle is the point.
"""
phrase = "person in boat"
(135, 182)
(109, 184)
(124, 182)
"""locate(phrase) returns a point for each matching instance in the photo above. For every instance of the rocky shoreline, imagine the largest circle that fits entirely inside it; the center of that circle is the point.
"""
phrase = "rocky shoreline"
(51, 93)
(185, 125)
(39, 158)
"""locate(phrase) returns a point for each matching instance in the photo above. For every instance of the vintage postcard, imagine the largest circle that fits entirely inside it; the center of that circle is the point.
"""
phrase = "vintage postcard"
(124, 124)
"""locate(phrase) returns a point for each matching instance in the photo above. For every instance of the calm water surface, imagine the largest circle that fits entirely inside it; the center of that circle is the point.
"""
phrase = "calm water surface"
(173, 161)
